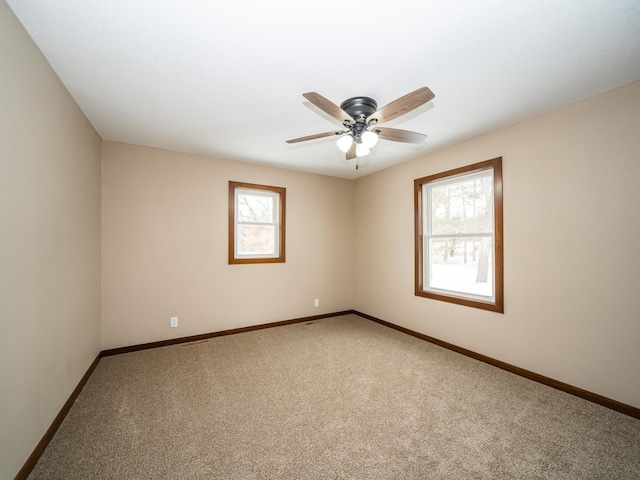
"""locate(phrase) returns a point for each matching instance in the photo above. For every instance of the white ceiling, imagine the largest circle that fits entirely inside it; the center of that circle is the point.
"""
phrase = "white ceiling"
(226, 78)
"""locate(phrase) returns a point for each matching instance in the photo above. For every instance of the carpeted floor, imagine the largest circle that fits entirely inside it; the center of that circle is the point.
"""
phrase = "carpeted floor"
(338, 398)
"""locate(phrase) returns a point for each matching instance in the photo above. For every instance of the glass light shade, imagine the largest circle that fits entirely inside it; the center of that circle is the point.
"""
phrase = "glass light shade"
(362, 150)
(344, 143)
(369, 138)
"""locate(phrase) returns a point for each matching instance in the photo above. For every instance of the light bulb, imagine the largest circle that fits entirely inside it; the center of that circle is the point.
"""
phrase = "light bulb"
(362, 150)
(369, 138)
(344, 143)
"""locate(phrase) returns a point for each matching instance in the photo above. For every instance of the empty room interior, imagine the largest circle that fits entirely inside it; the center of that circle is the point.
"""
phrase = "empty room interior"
(130, 133)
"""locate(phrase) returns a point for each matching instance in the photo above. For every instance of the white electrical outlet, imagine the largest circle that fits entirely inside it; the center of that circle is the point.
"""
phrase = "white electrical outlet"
(174, 321)
(316, 302)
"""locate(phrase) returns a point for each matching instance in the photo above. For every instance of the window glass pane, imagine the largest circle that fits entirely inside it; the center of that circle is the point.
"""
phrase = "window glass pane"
(256, 208)
(462, 207)
(460, 265)
(256, 240)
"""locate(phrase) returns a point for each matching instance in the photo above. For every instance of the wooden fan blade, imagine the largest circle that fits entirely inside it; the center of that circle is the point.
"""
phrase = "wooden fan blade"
(329, 107)
(402, 105)
(396, 135)
(351, 153)
(313, 137)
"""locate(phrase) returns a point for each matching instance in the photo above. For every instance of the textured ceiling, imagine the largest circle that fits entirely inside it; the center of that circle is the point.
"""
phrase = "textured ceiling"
(226, 79)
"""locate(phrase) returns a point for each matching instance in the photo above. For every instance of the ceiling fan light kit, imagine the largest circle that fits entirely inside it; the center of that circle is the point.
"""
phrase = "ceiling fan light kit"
(344, 143)
(370, 138)
(360, 117)
(362, 150)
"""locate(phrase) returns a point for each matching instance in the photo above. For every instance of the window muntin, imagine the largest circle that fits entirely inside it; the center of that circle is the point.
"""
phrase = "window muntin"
(459, 236)
(256, 223)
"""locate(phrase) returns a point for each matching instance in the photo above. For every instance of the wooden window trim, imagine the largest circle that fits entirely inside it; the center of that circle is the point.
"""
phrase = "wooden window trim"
(281, 223)
(498, 304)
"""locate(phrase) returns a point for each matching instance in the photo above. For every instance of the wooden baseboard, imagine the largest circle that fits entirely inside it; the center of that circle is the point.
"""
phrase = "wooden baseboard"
(565, 387)
(42, 445)
(204, 336)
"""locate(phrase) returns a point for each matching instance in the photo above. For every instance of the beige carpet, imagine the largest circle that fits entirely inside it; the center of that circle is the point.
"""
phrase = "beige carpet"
(338, 398)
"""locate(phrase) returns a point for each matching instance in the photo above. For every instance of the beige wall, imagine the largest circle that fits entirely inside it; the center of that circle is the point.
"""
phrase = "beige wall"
(165, 237)
(572, 246)
(49, 245)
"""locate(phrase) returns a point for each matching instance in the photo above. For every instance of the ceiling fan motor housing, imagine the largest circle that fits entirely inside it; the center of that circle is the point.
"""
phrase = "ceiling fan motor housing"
(359, 107)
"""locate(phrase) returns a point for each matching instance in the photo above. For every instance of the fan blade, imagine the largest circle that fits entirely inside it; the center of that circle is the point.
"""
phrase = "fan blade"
(396, 135)
(402, 105)
(329, 107)
(351, 153)
(313, 137)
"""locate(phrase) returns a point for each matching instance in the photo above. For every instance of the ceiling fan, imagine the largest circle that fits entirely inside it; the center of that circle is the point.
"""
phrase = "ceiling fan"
(361, 117)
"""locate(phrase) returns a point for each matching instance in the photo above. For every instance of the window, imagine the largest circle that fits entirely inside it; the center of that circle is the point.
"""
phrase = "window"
(458, 219)
(256, 223)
